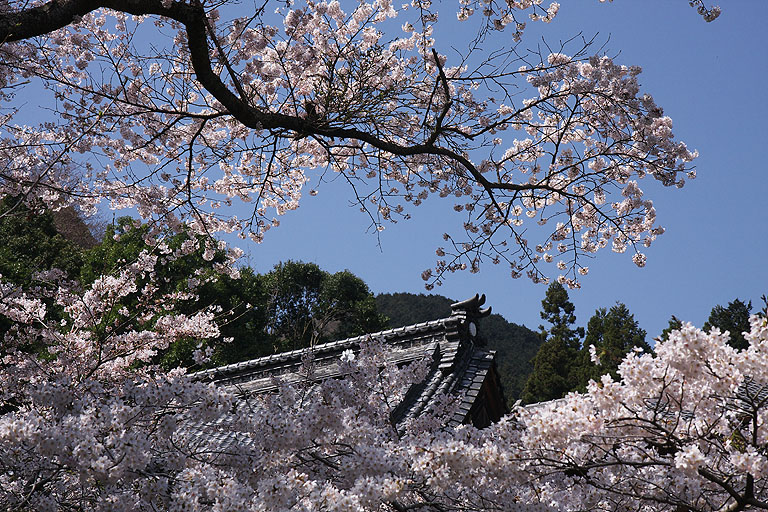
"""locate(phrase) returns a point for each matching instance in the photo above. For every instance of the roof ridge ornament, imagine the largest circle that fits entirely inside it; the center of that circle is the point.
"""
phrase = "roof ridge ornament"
(471, 307)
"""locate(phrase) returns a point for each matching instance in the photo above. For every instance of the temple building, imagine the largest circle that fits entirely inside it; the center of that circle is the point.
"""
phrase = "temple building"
(453, 346)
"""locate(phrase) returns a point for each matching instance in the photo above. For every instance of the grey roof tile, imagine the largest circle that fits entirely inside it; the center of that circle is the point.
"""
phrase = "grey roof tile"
(459, 367)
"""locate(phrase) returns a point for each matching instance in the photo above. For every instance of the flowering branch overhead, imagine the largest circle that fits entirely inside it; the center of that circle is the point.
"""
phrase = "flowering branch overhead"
(243, 110)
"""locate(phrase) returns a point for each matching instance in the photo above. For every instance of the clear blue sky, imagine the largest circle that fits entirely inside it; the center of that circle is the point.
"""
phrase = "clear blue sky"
(711, 78)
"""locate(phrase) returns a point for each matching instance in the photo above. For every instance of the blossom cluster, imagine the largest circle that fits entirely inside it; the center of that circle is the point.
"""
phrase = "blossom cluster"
(180, 134)
(87, 421)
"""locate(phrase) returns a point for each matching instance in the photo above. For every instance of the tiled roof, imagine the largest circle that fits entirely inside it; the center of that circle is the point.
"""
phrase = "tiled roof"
(750, 396)
(458, 365)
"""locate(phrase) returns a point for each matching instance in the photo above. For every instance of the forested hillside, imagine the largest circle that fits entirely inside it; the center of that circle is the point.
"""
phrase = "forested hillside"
(515, 345)
(294, 305)
(298, 304)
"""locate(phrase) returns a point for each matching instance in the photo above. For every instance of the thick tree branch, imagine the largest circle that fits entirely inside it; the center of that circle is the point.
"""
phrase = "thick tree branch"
(54, 15)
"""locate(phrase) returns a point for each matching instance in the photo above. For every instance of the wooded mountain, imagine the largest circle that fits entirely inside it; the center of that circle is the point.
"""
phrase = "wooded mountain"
(515, 345)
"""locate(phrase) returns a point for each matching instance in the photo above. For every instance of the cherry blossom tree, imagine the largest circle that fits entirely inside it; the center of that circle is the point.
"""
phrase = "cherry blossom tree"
(87, 428)
(684, 430)
(179, 109)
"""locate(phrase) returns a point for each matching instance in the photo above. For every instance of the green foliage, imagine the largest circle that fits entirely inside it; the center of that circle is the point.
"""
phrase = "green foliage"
(515, 345)
(555, 367)
(614, 333)
(350, 305)
(122, 243)
(553, 372)
(674, 324)
(306, 305)
(291, 307)
(408, 308)
(558, 310)
(294, 290)
(242, 320)
(29, 243)
(734, 319)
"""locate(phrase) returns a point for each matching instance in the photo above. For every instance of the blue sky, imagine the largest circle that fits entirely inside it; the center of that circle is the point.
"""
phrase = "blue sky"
(709, 77)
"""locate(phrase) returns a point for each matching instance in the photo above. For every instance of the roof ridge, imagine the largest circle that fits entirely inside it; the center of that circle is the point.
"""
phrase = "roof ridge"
(324, 348)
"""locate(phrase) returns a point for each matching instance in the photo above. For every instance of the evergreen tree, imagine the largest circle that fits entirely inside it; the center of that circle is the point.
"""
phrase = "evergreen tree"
(613, 333)
(349, 307)
(674, 324)
(734, 319)
(556, 362)
(29, 244)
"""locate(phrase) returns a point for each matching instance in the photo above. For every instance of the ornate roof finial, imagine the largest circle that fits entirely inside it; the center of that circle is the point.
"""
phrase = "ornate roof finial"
(471, 307)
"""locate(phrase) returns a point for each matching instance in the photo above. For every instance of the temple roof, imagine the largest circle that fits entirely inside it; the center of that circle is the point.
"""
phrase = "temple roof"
(459, 366)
